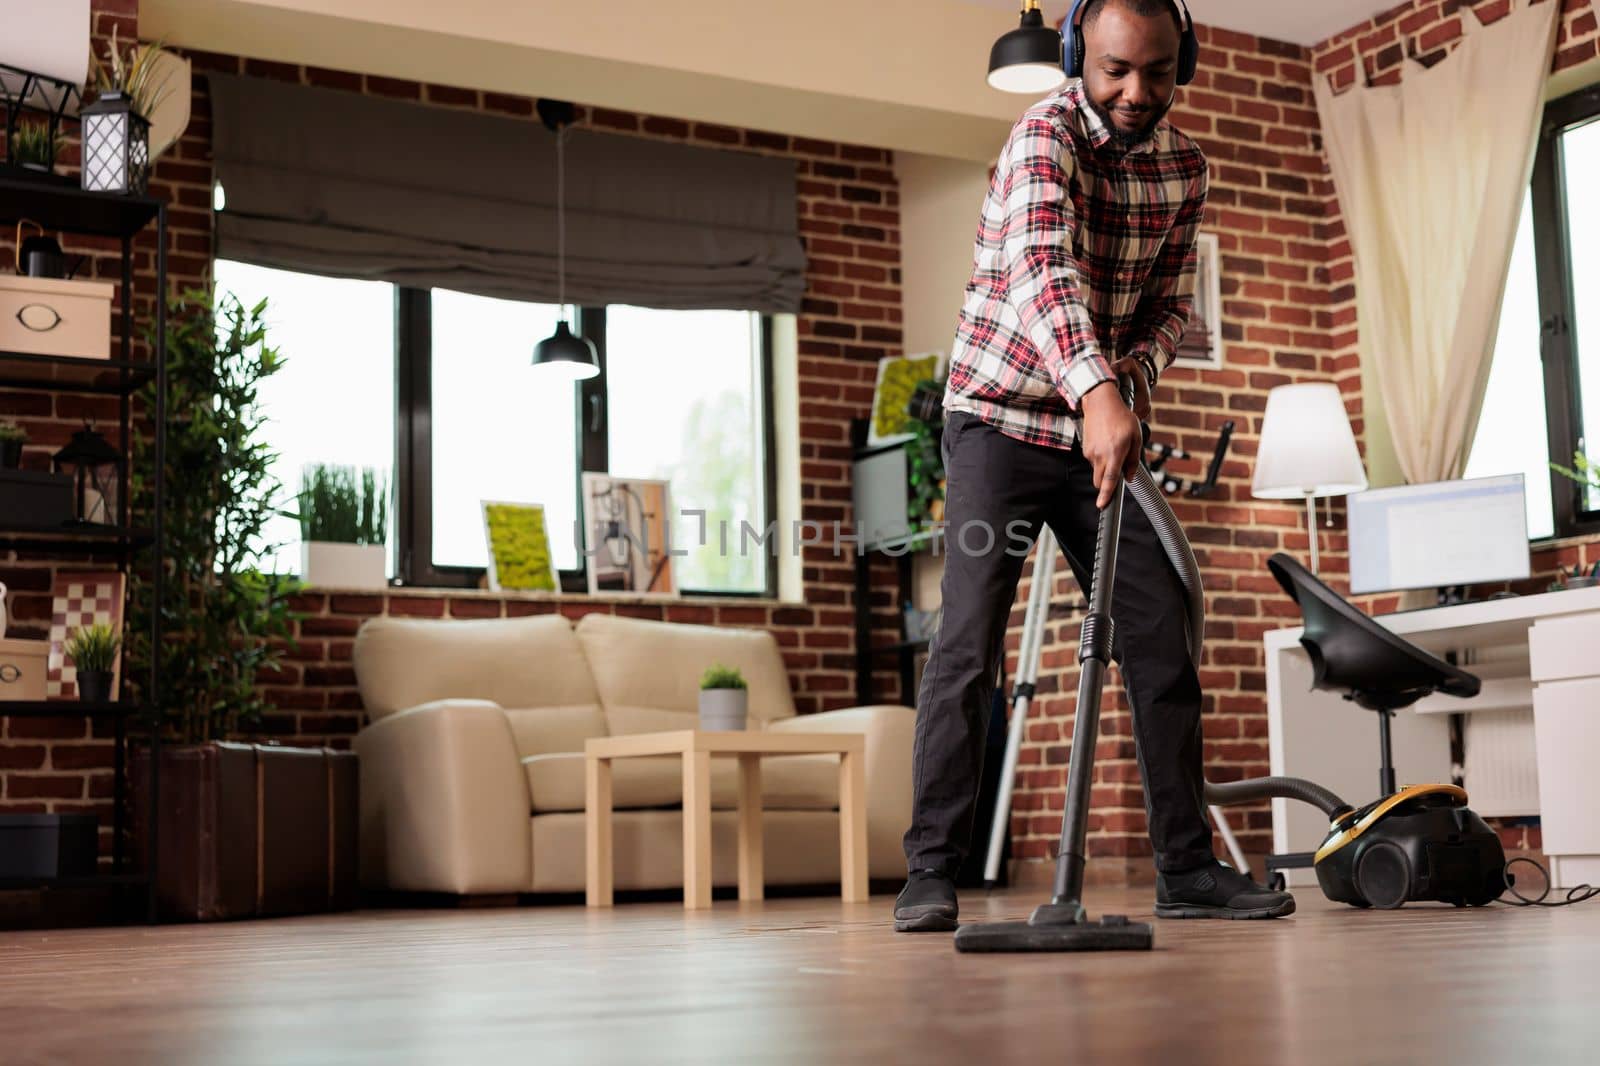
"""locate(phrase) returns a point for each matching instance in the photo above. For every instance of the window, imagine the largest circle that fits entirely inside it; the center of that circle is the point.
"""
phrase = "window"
(498, 433)
(1543, 402)
(686, 406)
(333, 400)
(1512, 437)
(437, 386)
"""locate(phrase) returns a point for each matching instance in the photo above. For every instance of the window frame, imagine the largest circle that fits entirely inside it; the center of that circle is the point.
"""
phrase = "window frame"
(1558, 307)
(414, 447)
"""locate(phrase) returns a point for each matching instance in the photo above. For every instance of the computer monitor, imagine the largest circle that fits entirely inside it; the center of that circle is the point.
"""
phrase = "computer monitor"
(1439, 535)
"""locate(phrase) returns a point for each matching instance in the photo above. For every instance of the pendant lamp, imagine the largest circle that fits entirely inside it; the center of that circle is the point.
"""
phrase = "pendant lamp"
(1028, 59)
(563, 354)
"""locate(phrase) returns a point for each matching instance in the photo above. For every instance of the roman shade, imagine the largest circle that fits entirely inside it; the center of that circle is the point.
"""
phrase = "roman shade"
(332, 182)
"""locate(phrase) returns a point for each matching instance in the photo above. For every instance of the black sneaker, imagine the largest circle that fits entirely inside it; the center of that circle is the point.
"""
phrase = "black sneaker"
(1217, 891)
(927, 904)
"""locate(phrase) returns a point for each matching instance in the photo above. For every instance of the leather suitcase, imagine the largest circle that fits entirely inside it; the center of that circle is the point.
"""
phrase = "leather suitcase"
(254, 831)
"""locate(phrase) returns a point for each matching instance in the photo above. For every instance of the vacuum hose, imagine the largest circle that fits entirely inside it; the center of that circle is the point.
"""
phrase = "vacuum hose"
(1150, 499)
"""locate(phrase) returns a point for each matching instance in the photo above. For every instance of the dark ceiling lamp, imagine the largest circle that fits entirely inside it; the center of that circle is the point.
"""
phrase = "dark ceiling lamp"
(1028, 59)
(563, 354)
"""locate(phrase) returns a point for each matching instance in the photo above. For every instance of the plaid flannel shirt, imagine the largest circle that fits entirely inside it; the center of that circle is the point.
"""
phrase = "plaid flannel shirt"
(1084, 254)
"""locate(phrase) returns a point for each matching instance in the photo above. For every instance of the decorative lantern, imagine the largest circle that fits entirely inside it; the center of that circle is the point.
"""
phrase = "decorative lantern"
(96, 468)
(116, 145)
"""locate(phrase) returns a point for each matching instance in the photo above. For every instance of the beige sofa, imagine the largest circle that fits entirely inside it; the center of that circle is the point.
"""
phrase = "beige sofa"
(472, 766)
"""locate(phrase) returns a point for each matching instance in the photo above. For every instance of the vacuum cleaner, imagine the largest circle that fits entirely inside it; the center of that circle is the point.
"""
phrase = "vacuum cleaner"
(1417, 843)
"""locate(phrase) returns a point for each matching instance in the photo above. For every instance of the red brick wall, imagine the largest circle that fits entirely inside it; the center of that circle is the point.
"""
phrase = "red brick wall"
(849, 220)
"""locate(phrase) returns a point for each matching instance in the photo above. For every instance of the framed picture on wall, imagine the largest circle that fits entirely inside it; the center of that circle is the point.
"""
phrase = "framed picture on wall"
(519, 547)
(898, 377)
(626, 524)
(1202, 343)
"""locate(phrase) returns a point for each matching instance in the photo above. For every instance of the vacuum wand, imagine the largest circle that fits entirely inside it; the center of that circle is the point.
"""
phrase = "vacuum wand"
(1094, 655)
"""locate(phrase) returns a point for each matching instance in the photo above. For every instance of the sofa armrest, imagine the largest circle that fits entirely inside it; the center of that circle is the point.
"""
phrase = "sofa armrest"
(444, 801)
(889, 731)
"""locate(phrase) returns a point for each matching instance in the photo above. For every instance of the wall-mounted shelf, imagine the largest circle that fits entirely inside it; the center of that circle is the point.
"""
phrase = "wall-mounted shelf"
(67, 708)
(69, 208)
(106, 377)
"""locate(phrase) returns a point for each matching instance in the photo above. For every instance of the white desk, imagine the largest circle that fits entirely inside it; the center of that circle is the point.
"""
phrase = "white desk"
(1532, 737)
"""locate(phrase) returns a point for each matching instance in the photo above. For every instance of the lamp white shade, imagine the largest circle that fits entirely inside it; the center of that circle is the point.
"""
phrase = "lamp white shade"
(1307, 447)
(1027, 78)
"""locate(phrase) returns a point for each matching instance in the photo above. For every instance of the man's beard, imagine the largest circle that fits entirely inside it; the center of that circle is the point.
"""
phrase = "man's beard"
(1121, 138)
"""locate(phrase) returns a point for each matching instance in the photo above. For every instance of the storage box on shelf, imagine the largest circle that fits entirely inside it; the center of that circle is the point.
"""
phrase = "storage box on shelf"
(54, 316)
(86, 360)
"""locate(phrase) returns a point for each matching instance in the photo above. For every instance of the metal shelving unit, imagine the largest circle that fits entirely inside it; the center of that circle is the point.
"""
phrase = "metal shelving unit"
(70, 210)
(904, 651)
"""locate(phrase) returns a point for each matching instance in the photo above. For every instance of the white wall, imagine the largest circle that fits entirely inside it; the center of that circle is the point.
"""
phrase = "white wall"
(940, 199)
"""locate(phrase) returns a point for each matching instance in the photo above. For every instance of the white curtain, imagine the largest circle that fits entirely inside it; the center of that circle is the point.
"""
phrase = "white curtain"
(1431, 175)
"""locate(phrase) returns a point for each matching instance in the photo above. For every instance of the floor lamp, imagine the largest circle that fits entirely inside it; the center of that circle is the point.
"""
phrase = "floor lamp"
(1307, 450)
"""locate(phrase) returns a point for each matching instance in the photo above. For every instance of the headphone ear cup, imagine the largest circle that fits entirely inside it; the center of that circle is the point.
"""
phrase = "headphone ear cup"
(1188, 56)
(1072, 43)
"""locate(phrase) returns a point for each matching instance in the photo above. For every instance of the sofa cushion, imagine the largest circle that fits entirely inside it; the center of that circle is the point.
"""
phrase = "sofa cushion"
(515, 662)
(788, 782)
(542, 730)
(640, 666)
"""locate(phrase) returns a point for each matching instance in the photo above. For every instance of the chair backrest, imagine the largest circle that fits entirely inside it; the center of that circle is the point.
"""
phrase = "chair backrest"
(1350, 653)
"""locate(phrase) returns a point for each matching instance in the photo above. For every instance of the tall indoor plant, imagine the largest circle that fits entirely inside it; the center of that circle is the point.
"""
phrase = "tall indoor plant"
(225, 621)
(222, 613)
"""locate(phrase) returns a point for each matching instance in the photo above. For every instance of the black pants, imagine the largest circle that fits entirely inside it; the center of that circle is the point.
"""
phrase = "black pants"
(998, 485)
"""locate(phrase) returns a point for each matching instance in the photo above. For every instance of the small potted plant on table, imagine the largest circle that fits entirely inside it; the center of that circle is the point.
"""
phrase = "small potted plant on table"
(93, 651)
(724, 699)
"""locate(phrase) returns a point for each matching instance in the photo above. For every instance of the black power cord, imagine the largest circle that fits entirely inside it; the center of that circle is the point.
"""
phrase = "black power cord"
(1574, 895)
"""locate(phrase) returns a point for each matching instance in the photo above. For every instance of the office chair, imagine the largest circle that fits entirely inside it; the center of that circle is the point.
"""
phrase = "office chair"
(1370, 666)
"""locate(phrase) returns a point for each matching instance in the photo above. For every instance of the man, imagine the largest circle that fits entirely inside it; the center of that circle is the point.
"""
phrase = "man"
(1084, 270)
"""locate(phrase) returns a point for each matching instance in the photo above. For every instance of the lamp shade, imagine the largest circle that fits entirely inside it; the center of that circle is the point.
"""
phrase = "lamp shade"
(563, 354)
(1307, 447)
(1028, 59)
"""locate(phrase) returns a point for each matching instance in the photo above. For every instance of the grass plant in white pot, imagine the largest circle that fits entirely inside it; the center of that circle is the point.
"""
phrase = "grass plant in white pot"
(344, 527)
(724, 699)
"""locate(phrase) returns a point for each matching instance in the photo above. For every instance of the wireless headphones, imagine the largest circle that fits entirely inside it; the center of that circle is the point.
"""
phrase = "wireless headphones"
(1072, 42)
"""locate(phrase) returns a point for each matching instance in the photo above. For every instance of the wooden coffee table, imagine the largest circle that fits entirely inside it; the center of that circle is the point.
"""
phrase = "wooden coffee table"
(697, 748)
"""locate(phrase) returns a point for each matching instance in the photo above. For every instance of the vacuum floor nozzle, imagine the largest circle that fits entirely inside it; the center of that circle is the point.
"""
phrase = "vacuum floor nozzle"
(1113, 932)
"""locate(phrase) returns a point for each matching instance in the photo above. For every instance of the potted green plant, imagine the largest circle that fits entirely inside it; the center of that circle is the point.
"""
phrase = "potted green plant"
(116, 127)
(724, 699)
(344, 527)
(1587, 475)
(93, 651)
(12, 438)
(226, 624)
(33, 147)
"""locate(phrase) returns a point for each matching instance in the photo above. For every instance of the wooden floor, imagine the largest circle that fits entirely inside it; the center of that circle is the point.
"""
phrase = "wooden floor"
(806, 981)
